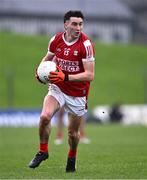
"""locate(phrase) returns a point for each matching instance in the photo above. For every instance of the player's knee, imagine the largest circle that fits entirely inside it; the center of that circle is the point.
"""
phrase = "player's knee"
(45, 120)
(72, 134)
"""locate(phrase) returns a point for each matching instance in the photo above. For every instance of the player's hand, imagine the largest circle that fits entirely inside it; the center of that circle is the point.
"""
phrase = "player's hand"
(37, 77)
(56, 77)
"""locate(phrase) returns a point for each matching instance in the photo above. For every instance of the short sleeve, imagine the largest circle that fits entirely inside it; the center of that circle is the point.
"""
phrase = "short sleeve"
(88, 51)
(51, 45)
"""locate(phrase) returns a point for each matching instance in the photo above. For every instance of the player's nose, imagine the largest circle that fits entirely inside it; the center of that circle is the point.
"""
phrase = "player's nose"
(78, 27)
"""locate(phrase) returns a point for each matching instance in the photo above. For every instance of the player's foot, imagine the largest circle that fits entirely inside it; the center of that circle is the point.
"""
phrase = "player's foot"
(40, 156)
(58, 141)
(70, 167)
(84, 140)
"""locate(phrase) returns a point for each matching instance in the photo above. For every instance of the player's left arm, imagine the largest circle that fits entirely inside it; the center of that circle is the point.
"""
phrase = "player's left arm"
(88, 61)
(87, 75)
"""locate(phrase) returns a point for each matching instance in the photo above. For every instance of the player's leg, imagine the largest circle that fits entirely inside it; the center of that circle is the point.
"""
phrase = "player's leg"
(73, 140)
(83, 137)
(59, 127)
(50, 106)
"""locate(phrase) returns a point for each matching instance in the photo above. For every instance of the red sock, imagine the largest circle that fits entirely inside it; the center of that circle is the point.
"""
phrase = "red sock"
(43, 147)
(72, 153)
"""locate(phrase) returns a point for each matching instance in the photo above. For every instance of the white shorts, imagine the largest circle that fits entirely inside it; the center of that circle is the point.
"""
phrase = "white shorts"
(74, 105)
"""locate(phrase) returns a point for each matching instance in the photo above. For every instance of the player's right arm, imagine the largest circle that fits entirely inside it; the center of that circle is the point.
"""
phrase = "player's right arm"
(49, 55)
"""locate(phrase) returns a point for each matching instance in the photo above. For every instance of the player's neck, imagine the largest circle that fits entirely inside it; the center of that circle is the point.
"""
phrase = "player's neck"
(69, 38)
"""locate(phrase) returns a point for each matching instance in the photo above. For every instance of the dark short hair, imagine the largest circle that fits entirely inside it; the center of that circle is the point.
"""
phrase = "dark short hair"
(70, 14)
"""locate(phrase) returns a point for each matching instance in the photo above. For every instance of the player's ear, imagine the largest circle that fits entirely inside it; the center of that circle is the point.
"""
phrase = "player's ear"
(65, 25)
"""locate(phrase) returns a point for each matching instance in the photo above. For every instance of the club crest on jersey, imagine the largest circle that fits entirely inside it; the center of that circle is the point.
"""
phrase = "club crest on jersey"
(75, 53)
(66, 51)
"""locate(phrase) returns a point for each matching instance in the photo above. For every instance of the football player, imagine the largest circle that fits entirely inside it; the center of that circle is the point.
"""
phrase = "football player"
(73, 53)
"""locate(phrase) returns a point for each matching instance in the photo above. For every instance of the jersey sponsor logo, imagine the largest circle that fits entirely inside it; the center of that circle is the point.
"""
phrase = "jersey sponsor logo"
(68, 65)
(70, 68)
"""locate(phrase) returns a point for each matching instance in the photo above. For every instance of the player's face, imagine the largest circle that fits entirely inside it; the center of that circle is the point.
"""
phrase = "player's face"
(74, 26)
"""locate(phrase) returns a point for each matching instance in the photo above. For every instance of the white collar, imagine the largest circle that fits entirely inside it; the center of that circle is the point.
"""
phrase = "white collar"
(69, 43)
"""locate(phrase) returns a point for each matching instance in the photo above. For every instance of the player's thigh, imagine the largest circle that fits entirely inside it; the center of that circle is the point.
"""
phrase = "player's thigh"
(76, 105)
(74, 122)
(50, 106)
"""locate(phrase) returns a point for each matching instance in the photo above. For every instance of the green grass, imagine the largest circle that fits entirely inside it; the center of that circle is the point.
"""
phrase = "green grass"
(116, 152)
(120, 71)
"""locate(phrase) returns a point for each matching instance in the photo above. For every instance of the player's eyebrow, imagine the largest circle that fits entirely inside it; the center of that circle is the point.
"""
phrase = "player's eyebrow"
(75, 23)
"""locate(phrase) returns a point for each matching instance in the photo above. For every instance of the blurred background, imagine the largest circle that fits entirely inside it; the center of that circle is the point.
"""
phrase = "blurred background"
(119, 31)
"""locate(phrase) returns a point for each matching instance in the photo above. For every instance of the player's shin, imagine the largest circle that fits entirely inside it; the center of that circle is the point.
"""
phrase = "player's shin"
(44, 132)
(73, 143)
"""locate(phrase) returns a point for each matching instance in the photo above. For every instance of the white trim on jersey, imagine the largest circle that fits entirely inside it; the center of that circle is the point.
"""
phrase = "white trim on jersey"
(49, 52)
(51, 40)
(69, 43)
(89, 50)
(88, 60)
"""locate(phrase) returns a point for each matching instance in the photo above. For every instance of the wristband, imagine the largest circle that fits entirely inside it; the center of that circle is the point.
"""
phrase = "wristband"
(66, 77)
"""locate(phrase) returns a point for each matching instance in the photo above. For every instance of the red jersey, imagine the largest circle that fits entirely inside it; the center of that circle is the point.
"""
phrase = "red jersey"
(69, 57)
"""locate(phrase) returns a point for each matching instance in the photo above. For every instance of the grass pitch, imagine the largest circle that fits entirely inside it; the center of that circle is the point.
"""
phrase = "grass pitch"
(115, 152)
(120, 72)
